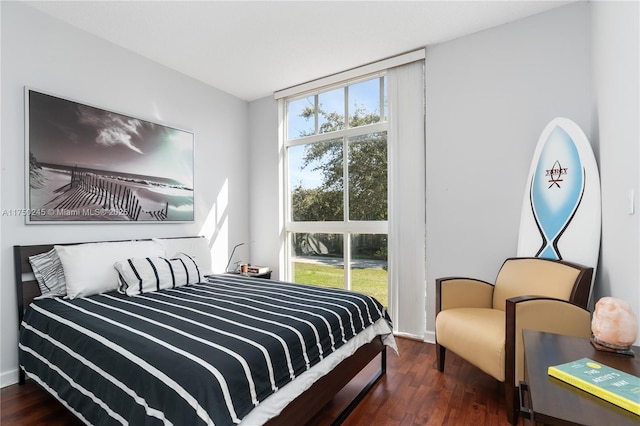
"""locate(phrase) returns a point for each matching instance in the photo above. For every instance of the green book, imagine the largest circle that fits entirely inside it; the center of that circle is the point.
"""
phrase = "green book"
(610, 384)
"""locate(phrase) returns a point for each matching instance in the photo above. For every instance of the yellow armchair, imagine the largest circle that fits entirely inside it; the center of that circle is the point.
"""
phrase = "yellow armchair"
(482, 322)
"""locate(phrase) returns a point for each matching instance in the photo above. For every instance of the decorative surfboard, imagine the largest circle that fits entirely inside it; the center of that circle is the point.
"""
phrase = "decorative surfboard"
(561, 210)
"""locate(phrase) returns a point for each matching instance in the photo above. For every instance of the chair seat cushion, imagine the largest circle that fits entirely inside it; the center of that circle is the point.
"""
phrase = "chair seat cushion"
(475, 334)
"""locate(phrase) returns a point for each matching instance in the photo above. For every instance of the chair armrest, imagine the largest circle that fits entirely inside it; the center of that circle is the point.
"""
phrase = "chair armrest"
(543, 314)
(460, 292)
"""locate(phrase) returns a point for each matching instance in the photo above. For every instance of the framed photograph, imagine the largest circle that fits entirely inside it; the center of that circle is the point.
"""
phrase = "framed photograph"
(87, 164)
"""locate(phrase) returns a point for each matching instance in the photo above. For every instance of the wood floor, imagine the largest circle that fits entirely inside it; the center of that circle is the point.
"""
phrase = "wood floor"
(412, 392)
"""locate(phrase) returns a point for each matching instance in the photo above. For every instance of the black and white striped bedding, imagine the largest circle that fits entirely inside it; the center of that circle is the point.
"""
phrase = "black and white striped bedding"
(204, 353)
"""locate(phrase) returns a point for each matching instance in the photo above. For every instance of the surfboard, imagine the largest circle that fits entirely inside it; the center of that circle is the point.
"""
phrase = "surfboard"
(561, 207)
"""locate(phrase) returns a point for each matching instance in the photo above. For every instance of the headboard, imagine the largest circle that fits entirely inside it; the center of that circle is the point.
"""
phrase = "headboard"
(27, 288)
(26, 285)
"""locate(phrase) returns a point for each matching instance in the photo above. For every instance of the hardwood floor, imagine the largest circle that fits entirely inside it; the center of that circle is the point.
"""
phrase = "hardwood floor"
(412, 392)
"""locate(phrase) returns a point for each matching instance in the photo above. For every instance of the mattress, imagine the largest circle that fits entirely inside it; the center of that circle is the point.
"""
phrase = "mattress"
(206, 353)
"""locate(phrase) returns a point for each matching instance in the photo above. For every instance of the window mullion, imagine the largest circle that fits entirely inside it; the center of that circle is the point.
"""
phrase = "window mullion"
(345, 157)
(346, 237)
(382, 116)
(316, 113)
(358, 227)
(353, 131)
(345, 178)
(347, 260)
(346, 107)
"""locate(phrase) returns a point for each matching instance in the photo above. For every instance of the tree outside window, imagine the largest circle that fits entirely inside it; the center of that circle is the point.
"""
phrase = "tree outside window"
(338, 182)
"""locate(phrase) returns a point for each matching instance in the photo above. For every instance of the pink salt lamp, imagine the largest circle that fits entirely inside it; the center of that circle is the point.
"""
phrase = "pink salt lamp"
(613, 325)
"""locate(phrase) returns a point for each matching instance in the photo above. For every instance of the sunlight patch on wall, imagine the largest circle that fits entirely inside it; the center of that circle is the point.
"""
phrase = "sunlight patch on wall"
(216, 228)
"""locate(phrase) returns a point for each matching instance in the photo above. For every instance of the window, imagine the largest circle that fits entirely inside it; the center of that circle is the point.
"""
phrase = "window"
(337, 186)
(349, 206)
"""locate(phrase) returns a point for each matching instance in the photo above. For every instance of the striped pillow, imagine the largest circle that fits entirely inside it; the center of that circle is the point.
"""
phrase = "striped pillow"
(190, 268)
(143, 275)
(49, 273)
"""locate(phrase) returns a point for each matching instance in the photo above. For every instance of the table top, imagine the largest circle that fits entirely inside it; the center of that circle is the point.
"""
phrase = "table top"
(556, 402)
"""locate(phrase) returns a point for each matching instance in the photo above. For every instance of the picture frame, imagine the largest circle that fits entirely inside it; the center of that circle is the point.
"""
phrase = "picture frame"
(86, 164)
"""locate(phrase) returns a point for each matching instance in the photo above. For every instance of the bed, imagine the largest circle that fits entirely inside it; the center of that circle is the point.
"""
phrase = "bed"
(222, 349)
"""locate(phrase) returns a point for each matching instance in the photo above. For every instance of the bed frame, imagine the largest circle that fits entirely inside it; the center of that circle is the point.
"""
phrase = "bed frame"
(299, 411)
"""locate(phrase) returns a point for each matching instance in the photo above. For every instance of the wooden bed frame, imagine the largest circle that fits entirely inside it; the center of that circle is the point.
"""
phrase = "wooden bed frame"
(299, 411)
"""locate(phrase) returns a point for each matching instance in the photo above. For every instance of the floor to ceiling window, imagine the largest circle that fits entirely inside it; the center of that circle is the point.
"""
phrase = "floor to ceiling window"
(336, 156)
(353, 178)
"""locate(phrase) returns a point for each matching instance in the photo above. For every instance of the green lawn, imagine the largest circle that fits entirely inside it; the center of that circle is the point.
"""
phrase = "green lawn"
(371, 281)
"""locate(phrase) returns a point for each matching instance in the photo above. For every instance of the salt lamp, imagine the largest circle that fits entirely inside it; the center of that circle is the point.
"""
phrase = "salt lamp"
(614, 326)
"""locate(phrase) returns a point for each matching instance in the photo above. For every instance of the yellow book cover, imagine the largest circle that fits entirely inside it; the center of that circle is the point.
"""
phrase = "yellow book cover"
(610, 384)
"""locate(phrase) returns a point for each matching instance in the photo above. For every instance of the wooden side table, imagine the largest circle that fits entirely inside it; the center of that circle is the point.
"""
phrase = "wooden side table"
(550, 401)
(265, 275)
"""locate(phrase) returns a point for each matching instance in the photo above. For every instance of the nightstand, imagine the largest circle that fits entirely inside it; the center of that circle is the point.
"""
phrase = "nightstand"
(550, 401)
(264, 275)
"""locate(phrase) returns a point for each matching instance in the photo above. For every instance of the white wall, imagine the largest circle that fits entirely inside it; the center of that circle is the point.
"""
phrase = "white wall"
(616, 70)
(489, 95)
(45, 54)
(266, 216)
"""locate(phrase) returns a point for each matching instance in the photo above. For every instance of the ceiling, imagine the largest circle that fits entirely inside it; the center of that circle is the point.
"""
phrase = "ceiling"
(252, 48)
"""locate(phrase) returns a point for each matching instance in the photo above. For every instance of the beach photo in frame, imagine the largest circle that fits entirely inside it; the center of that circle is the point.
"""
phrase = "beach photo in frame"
(86, 164)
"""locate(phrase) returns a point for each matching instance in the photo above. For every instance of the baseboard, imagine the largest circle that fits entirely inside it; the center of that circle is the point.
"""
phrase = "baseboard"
(430, 336)
(408, 336)
(427, 337)
(8, 378)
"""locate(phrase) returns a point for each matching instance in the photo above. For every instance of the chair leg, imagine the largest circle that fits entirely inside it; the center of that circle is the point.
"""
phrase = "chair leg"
(440, 354)
(513, 403)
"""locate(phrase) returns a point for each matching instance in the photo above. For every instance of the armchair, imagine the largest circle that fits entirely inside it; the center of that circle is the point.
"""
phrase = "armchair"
(482, 322)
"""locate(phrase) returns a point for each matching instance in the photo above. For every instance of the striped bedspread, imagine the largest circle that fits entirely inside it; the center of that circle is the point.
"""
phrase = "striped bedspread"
(205, 353)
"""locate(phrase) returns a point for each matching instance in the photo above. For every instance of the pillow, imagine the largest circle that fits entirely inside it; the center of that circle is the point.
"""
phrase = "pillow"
(196, 247)
(49, 273)
(88, 268)
(190, 268)
(143, 275)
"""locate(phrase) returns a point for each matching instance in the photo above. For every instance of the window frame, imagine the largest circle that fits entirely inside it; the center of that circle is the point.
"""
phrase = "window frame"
(346, 227)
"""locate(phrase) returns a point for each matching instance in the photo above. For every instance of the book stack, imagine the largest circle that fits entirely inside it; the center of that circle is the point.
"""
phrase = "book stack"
(610, 384)
(253, 269)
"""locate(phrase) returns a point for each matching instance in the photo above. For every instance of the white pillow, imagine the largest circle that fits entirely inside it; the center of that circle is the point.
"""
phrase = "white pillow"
(88, 268)
(196, 247)
(191, 269)
(49, 274)
(143, 275)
